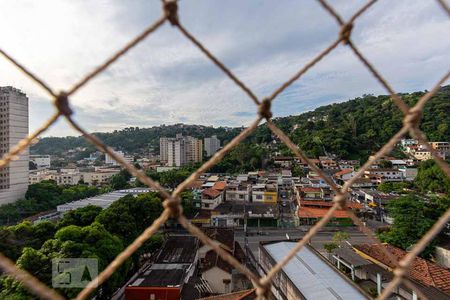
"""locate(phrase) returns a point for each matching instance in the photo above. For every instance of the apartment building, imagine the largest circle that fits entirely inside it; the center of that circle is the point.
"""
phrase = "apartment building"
(266, 193)
(41, 161)
(109, 160)
(238, 191)
(384, 175)
(98, 177)
(194, 150)
(163, 149)
(212, 144)
(13, 128)
(180, 151)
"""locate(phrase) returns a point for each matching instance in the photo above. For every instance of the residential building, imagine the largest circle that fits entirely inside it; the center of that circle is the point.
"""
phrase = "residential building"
(344, 175)
(13, 128)
(443, 147)
(111, 161)
(176, 152)
(211, 198)
(283, 161)
(306, 276)
(180, 151)
(194, 150)
(409, 174)
(309, 215)
(212, 144)
(367, 262)
(220, 275)
(163, 149)
(170, 272)
(67, 178)
(98, 177)
(408, 142)
(379, 175)
(234, 214)
(265, 193)
(41, 161)
(238, 191)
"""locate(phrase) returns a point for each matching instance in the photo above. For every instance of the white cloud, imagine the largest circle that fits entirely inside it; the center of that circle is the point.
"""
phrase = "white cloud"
(167, 80)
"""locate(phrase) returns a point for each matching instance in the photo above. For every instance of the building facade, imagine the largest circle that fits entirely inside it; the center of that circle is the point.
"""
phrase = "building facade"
(13, 128)
(41, 161)
(180, 151)
(212, 144)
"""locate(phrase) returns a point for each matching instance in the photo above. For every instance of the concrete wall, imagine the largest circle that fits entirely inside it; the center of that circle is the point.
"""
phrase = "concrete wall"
(215, 277)
(13, 128)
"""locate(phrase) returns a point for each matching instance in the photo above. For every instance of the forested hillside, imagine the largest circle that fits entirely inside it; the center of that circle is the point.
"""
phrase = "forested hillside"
(356, 128)
(352, 129)
(133, 139)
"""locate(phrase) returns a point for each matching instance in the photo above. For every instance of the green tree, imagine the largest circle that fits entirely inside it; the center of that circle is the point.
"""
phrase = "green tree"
(91, 241)
(118, 182)
(413, 217)
(129, 216)
(430, 178)
(82, 216)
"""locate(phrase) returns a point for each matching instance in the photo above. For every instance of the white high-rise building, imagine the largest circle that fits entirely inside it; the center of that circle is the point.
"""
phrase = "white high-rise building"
(163, 149)
(13, 128)
(176, 152)
(212, 144)
(180, 151)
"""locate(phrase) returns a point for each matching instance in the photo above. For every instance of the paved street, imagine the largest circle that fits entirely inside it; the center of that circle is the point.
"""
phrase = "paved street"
(317, 242)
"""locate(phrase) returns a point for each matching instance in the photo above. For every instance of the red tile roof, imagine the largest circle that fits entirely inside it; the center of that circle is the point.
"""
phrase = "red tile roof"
(213, 193)
(220, 185)
(310, 190)
(352, 205)
(343, 172)
(196, 184)
(313, 212)
(422, 270)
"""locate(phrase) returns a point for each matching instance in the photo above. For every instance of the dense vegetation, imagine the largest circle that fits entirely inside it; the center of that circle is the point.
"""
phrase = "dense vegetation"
(85, 232)
(44, 196)
(413, 217)
(357, 128)
(430, 179)
(132, 139)
(352, 130)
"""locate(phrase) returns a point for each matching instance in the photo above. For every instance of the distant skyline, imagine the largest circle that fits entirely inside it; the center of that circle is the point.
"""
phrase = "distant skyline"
(167, 80)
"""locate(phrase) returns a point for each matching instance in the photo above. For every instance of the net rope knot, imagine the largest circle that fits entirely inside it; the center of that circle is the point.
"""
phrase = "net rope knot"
(62, 103)
(345, 32)
(262, 290)
(174, 207)
(341, 199)
(171, 11)
(264, 109)
(412, 119)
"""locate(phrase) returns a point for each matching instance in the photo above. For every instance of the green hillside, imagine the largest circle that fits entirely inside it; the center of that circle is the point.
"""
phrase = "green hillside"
(351, 129)
(359, 127)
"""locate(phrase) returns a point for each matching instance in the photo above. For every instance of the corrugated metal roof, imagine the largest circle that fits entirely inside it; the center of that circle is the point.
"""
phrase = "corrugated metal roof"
(313, 277)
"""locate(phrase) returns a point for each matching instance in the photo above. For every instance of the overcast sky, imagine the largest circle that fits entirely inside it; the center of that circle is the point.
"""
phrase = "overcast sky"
(166, 80)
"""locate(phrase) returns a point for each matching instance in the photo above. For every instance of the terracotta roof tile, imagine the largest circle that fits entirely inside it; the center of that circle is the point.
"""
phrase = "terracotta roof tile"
(343, 172)
(196, 184)
(313, 212)
(310, 189)
(220, 185)
(424, 271)
(352, 205)
(213, 193)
